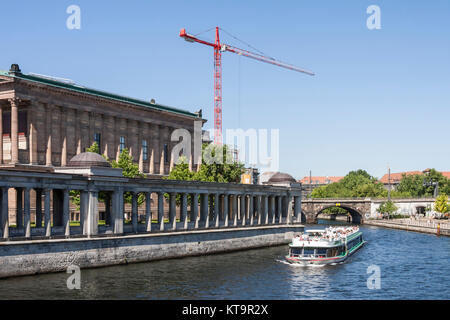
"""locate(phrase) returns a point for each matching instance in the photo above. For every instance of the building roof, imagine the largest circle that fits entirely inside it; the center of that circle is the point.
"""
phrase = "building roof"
(396, 177)
(88, 159)
(281, 177)
(103, 94)
(320, 180)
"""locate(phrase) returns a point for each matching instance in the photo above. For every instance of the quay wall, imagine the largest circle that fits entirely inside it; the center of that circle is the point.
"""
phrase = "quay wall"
(408, 227)
(19, 258)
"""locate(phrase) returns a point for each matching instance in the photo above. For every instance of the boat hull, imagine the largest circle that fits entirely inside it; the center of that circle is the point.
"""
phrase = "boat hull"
(323, 261)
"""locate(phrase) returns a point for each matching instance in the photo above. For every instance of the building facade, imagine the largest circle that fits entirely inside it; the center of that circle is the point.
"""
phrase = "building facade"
(46, 121)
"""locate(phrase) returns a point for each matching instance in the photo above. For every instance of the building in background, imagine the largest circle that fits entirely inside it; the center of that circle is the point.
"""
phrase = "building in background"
(395, 178)
(309, 183)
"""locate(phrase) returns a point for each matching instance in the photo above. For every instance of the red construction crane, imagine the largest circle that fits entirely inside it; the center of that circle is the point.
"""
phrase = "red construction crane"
(218, 49)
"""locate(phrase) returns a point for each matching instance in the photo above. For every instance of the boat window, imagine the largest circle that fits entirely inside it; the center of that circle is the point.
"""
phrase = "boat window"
(296, 251)
(308, 251)
(322, 251)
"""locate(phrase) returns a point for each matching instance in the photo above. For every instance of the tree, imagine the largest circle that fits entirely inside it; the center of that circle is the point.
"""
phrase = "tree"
(441, 204)
(387, 207)
(93, 148)
(355, 184)
(129, 170)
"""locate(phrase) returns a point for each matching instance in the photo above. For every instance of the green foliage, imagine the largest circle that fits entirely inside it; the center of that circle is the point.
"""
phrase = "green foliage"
(441, 204)
(413, 185)
(387, 207)
(335, 210)
(355, 184)
(129, 170)
(93, 148)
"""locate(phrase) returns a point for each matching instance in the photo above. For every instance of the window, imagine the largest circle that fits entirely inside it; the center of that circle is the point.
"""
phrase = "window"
(98, 140)
(166, 153)
(22, 126)
(145, 150)
(121, 143)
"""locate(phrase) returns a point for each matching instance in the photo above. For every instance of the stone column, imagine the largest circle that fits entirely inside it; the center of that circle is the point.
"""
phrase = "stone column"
(26, 212)
(33, 136)
(204, 216)
(134, 211)
(139, 146)
(161, 210)
(1, 133)
(266, 209)
(19, 212)
(183, 211)
(154, 142)
(298, 209)
(48, 153)
(162, 151)
(235, 209)
(251, 209)
(4, 214)
(243, 207)
(272, 208)
(38, 208)
(84, 209)
(117, 204)
(258, 208)
(280, 209)
(14, 130)
(148, 212)
(47, 217)
(216, 210)
(289, 208)
(66, 212)
(92, 214)
(78, 132)
(173, 210)
(194, 209)
(64, 138)
(226, 213)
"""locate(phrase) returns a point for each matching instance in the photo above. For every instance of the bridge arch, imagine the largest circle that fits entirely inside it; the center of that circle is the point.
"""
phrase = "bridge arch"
(356, 215)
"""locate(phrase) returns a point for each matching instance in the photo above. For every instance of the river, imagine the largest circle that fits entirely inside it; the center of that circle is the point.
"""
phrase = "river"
(412, 266)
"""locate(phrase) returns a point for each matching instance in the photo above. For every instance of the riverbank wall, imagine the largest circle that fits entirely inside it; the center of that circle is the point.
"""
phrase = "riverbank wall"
(411, 225)
(19, 258)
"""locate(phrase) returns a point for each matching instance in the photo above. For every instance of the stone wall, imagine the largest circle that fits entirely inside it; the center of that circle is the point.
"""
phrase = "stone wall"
(19, 258)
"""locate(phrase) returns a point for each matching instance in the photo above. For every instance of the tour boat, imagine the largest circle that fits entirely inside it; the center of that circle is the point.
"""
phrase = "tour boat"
(324, 246)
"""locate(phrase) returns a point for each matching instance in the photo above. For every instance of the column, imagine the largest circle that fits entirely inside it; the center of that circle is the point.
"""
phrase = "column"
(66, 212)
(243, 207)
(272, 208)
(26, 212)
(183, 211)
(84, 209)
(48, 154)
(1, 133)
(134, 211)
(4, 214)
(64, 138)
(280, 209)
(289, 208)
(258, 208)
(139, 146)
(92, 214)
(47, 217)
(216, 210)
(148, 212)
(297, 209)
(19, 212)
(251, 211)
(162, 151)
(266, 209)
(194, 209)
(226, 212)
(78, 131)
(204, 216)
(38, 208)
(14, 130)
(117, 204)
(235, 209)
(161, 210)
(33, 136)
(173, 210)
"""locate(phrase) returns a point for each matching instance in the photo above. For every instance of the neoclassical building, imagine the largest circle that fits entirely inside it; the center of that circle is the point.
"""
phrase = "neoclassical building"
(45, 121)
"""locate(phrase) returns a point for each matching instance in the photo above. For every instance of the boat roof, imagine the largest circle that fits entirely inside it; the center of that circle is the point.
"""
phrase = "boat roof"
(315, 230)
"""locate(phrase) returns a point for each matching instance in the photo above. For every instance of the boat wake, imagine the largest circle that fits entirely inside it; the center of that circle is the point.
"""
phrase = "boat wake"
(300, 265)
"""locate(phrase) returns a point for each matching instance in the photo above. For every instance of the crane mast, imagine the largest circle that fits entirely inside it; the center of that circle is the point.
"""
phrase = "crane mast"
(218, 49)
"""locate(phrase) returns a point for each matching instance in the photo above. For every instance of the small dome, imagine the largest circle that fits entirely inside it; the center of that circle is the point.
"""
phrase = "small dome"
(88, 159)
(281, 177)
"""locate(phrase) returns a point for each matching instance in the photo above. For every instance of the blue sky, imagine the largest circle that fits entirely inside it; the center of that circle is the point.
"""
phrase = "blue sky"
(379, 97)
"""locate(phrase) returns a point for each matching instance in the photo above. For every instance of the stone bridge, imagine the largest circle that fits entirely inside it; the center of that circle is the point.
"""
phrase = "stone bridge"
(362, 208)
